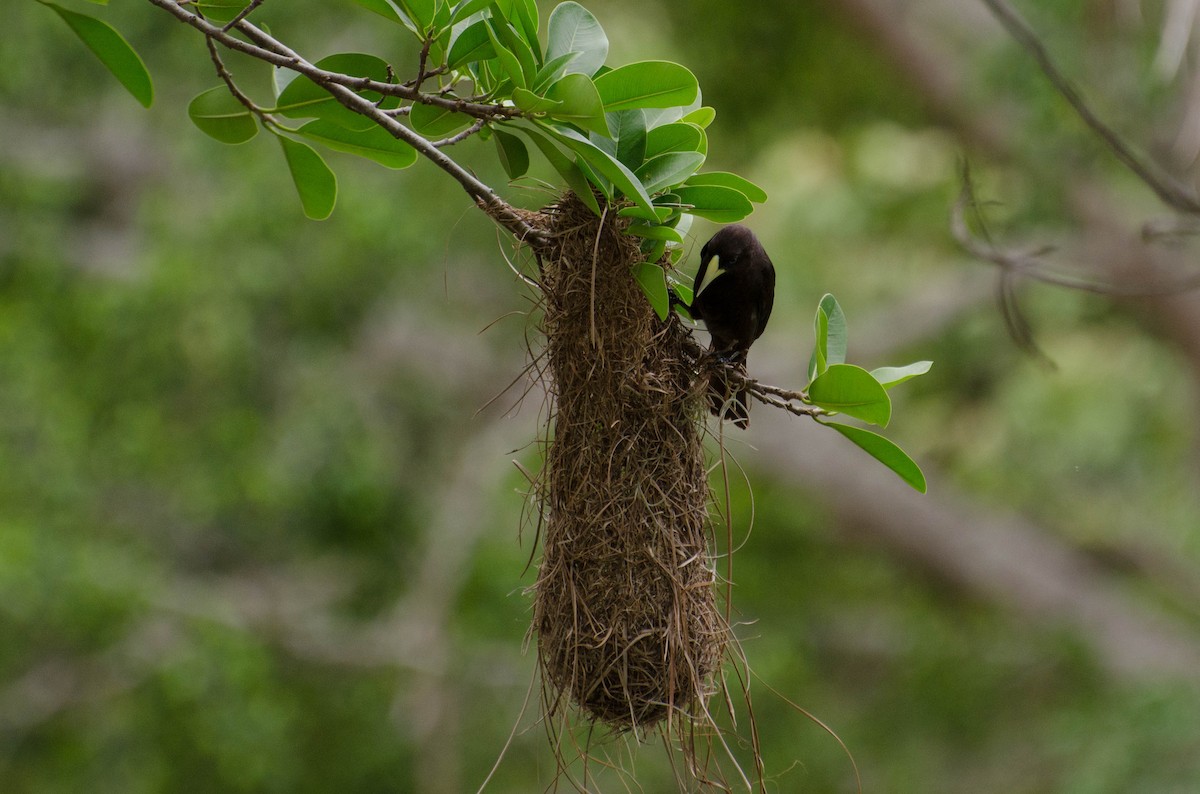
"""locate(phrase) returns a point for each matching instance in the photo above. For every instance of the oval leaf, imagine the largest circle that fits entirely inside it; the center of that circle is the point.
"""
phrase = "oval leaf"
(701, 117)
(885, 452)
(421, 12)
(375, 144)
(514, 157)
(653, 281)
(473, 44)
(436, 122)
(628, 129)
(648, 232)
(579, 103)
(113, 51)
(507, 59)
(611, 168)
(553, 70)
(835, 348)
(676, 137)
(573, 29)
(851, 390)
(716, 203)
(894, 376)
(220, 115)
(315, 183)
(530, 102)
(647, 84)
(564, 165)
(385, 8)
(302, 98)
(220, 11)
(726, 179)
(817, 362)
(669, 169)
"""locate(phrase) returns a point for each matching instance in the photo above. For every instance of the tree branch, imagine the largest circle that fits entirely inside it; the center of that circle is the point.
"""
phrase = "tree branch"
(343, 87)
(1168, 190)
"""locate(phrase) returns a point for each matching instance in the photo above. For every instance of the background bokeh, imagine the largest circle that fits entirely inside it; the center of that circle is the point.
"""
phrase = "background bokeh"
(259, 525)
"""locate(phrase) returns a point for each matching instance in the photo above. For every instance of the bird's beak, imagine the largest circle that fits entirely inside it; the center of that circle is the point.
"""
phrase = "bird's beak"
(709, 274)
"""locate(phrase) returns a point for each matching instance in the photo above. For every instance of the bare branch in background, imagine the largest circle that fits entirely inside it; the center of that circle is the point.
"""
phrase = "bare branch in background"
(1172, 193)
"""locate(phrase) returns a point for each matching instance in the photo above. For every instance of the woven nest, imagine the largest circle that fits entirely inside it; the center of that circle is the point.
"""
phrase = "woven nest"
(627, 623)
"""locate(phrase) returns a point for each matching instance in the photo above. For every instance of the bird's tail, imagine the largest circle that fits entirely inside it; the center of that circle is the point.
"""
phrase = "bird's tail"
(726, 402)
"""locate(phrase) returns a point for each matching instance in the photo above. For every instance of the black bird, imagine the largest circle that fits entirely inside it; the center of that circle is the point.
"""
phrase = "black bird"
(734, 301)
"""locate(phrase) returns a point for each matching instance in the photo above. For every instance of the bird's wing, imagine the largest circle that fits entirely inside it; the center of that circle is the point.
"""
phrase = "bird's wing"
(766, 299)
(698, 283)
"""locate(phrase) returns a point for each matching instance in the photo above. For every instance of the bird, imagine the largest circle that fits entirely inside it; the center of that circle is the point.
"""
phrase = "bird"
(734, 301)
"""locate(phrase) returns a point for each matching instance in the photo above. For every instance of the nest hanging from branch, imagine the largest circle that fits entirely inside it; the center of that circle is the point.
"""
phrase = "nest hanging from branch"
(627, 623)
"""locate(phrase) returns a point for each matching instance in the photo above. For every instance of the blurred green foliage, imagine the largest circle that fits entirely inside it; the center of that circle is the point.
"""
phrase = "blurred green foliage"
(212, 409)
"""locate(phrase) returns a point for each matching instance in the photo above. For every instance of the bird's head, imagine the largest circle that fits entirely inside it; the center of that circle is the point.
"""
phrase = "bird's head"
(729, 247)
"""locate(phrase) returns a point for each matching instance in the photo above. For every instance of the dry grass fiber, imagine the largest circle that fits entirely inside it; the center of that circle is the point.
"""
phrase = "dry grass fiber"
(628, 628)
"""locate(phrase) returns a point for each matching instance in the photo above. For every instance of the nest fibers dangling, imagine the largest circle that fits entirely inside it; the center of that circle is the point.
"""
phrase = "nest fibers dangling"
(626, 618)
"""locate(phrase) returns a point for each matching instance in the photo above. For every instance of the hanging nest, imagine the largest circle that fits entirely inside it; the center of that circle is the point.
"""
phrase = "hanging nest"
(625, 612)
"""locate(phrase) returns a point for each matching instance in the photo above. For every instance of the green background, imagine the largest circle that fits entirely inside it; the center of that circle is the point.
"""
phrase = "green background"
(259, 525)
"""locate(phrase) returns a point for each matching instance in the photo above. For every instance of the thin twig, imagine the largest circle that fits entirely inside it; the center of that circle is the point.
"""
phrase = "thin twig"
(245, 12)
(1030, 264)
(343, 88)
(462, 136)
(266, 48)
(1167, 189)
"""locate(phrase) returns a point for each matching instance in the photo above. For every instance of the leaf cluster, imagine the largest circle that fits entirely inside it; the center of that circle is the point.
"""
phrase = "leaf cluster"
(837, 387)
(632, 136)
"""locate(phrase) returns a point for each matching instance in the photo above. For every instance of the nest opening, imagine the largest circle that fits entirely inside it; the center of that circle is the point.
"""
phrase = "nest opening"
(628, 627)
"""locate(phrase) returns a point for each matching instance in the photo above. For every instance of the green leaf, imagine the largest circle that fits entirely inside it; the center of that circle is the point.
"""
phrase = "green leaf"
(611, 168)
(113, 51)
(552, 70)
(669, 115)
(514, 157)
(220, 115)
(647, 84)
(468, 7)
(385, 8)
(580, 103)
(851, 390)
(375, 144)
(684, 291)
(433, 121)
(653, 281)
(220, 11)
(421, 12)
(629, 134)
(661, 214)
(530, 102)
(676, 137)
(818, 361)
(668, 169)
(564, 165)
(646, 231)
(726, 179)
(701, 117)
(835, 351)
(315, 183)
(509, 62)
(524, 13)
(572, 28)
(894, 376)
(885, 452)
(302, 98)
(716, 203)
(474, 43)
(521, 49)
